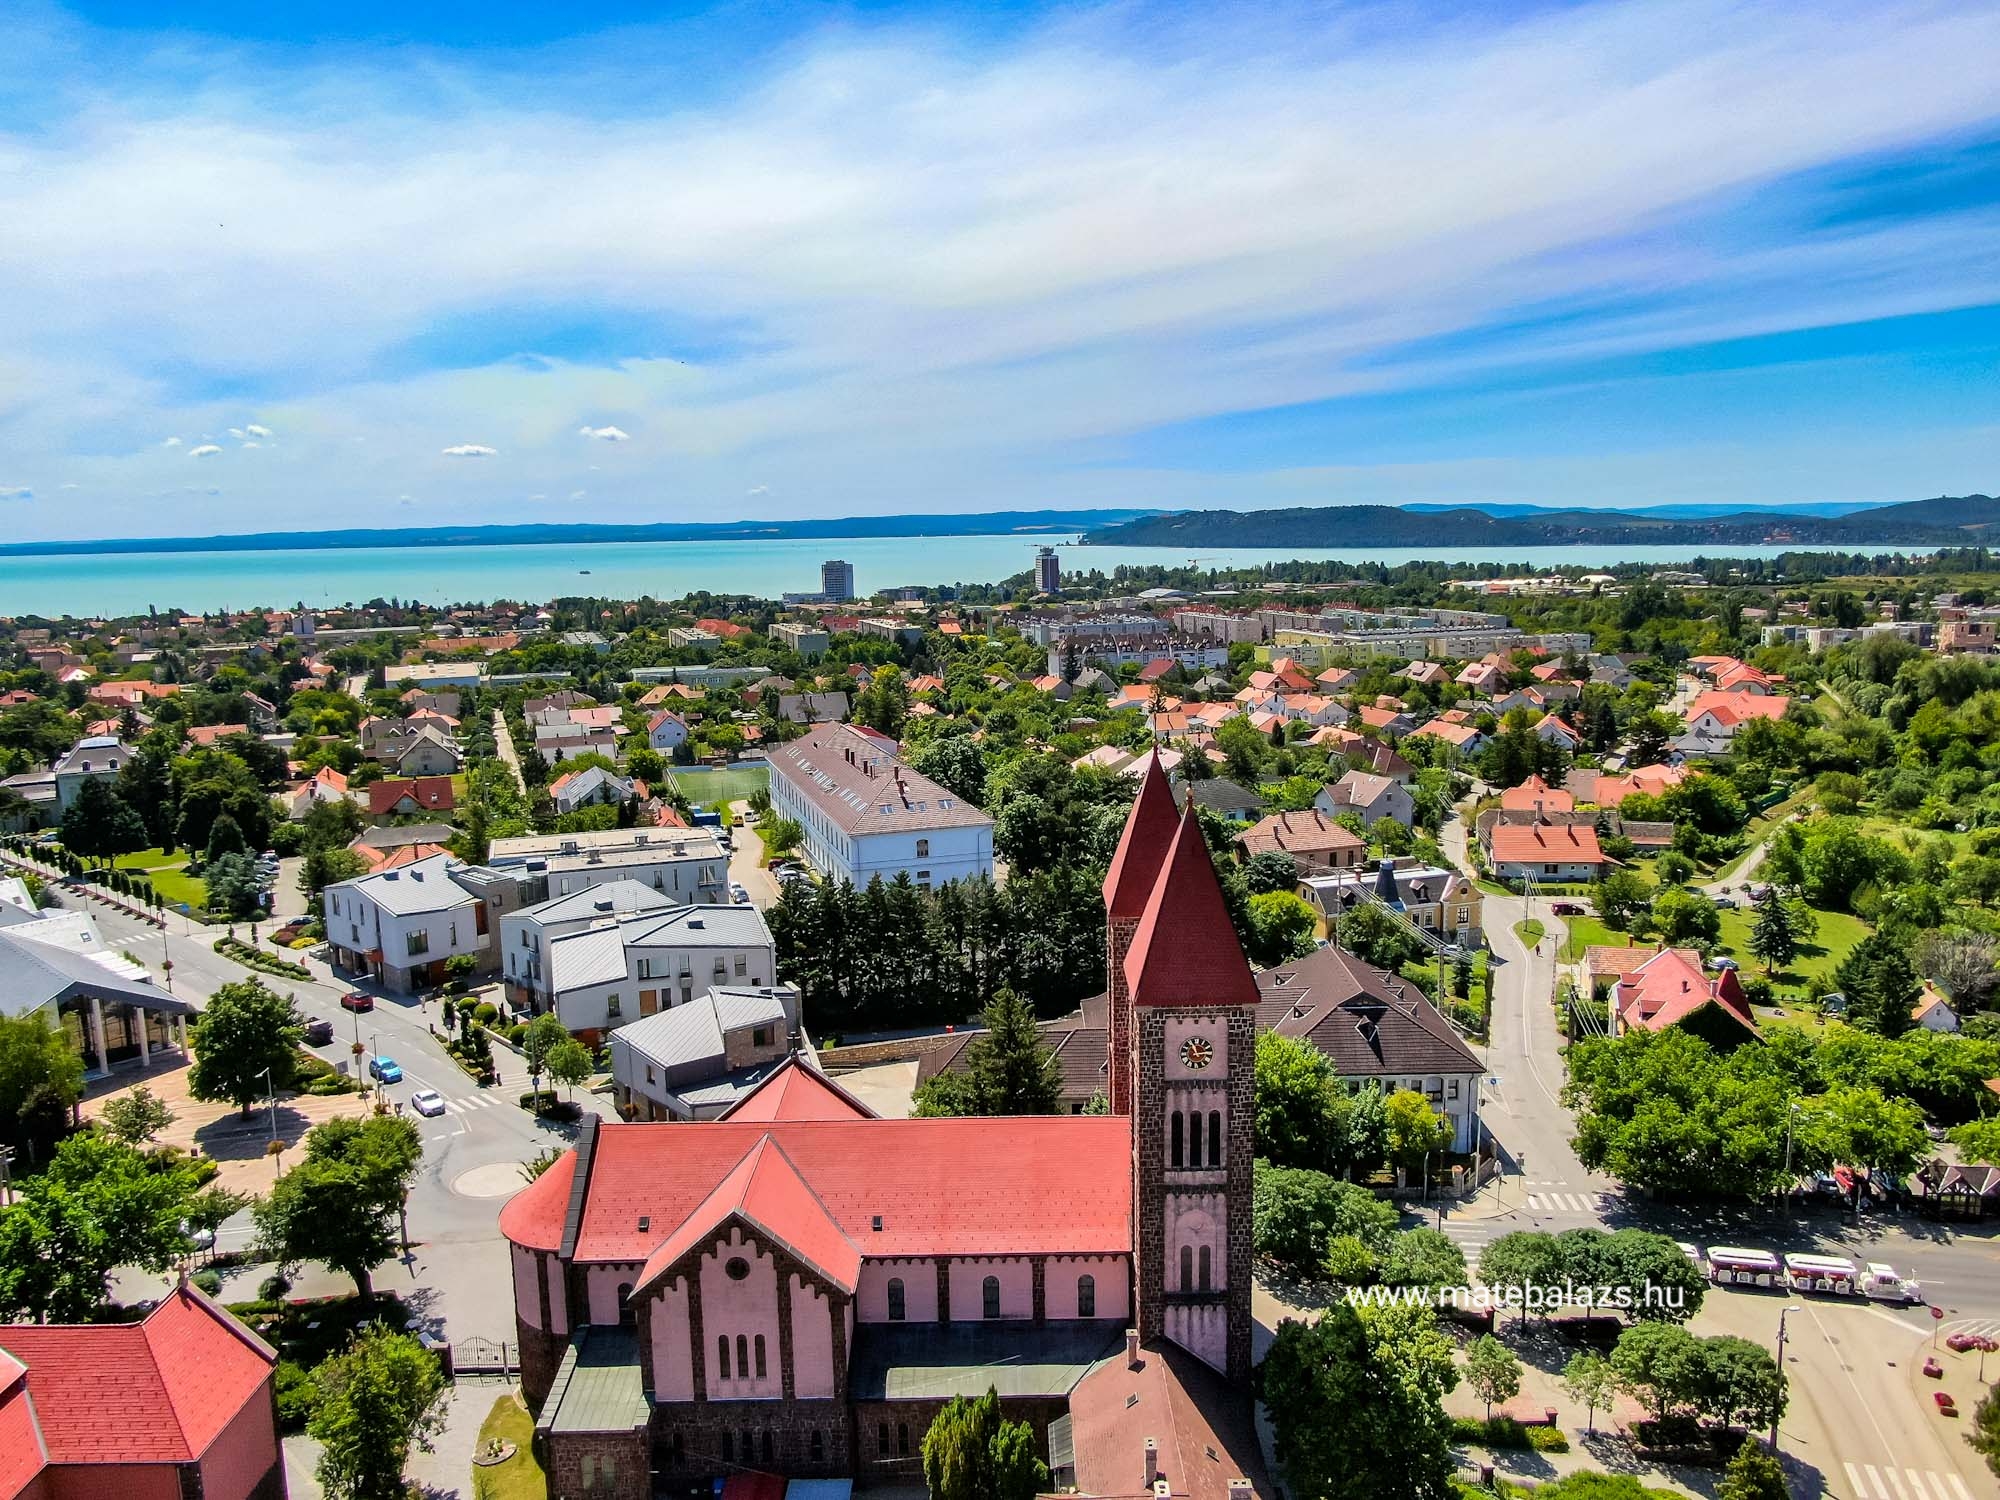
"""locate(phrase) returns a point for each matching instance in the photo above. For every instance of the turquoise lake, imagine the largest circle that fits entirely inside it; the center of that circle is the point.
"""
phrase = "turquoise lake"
(127, 583)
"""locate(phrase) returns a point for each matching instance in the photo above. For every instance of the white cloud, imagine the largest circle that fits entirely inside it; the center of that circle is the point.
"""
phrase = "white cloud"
(206, 450)
(604, 434)
(172, 442)
(759, 489)
(470, 450)
(576, 494)
(258, 430)
(238, 433)
(16, 492)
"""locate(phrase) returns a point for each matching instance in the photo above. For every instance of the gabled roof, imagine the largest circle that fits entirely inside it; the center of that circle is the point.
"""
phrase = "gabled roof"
(1546, 843)
(1368, 1023)
(1186, 951)
(1536, 795)
(796, 1090)
(1671, 986)
(766, 1191)
(158, 1391)
(1142, 847)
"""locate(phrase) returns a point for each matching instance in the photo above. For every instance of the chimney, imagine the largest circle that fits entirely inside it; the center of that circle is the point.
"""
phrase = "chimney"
(1152, 1462)
(1239, 1489)
(1162, 1490)
(1131, 1348)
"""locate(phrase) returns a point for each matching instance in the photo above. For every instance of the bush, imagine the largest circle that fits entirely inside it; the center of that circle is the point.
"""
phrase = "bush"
(209, 1283)
(297, 1396)
(515, 1032)
(1505, 1432)
(1547, 1440)
(272, 1288)
(486, 1013)
(256, 958)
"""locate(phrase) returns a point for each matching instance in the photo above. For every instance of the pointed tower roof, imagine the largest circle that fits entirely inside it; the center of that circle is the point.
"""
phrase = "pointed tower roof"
(1142, 847)
(1185, 951)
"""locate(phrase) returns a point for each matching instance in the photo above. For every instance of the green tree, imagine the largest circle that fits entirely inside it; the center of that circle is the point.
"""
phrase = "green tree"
(1492, 1371)
(379, 1397)
(135, 1118)
(1984, 1435)
(1282, 927)
(1881, 984)
(232, 885)
(1621, 898)
(1527, 1266)
(1590, 1378)
(1374, 936)
(1295, 1091)
(324, 867)
(340, 1205)
(1007, 1069)
(41, 1079)
(1272, 870)
(99, 1204)
(99, 823)
(1662, 1365)
(1296, 1212)
(1740, 1383)
(245, 1045)
(1424, 1258)
(1772, 936)
(1416, 1131)
(544, 1034)
(225, 836)
(972, 1452)
(1658, 1281)
(569, 1064)
(1686, 918)
(1357, 1403)
(885, 703)
(1753, 1474)
(955, 762)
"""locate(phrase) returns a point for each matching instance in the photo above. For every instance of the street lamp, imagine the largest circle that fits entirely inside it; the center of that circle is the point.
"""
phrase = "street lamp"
(271, 1099)
(1782, 1382)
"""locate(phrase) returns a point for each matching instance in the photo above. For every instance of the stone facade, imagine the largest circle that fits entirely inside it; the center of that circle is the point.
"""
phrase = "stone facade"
(599, 1466)
(1118, 943)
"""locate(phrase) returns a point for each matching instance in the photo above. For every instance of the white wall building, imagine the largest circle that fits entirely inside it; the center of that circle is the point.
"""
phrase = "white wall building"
(687, 865)
(866, 814)
(621, 967)
(401, 925)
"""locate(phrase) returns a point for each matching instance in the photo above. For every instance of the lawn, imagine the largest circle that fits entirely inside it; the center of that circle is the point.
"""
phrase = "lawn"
(1589, 932)
(711, 787)
(520, 1478)
(168, 872)
(1530, 932)
(1838, 933)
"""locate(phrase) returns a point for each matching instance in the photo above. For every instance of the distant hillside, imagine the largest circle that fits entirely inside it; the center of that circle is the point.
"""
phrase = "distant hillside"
(985, 523)
(1968, 520)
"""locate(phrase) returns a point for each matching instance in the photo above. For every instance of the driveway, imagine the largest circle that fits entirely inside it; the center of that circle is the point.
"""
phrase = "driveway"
(745, 862)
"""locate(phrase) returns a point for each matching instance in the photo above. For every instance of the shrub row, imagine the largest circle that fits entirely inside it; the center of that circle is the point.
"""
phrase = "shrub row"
(256, 958)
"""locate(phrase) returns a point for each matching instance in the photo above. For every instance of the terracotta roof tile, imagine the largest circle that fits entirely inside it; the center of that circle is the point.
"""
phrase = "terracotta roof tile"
(766, 1191)
(795, 1090)
(1149, 832)
(1185, 951)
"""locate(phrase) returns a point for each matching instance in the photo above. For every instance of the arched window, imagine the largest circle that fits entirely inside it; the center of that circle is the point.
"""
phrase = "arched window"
(1202, 1284)
(1086, 1296)
(896, 1303)
(742, 1357)
(627, 1313)
(1174, 1158)
(760, 1356)
(722, 1361)
(989, 1296)
(1194, 1137)
(923, 848)
(1187, 1268)
(1215, 1137)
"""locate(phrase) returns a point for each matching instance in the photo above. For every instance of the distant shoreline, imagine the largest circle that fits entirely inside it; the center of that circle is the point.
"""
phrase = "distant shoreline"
(1026, 524)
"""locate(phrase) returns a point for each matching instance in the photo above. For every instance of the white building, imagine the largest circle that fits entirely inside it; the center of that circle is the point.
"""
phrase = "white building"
(695, 1061)
(666, 730)
(621, 967)
(432, 675)
(807, 640)
(400, 925)
(687, 865)
(866, 814)
(97, 757)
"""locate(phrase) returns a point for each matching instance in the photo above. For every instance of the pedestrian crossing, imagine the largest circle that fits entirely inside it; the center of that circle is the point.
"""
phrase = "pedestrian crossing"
(1887, 1482)
(466, 1105)
(1470, 1238)
(1990, 1327)
(1569, 1203)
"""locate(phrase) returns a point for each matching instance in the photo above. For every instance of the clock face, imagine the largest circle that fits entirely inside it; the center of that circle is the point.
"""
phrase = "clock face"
(1197, 1052)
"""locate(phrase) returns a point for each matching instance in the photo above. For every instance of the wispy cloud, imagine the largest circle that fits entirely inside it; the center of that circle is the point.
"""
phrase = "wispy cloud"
(897, 264)
(204, 450)
(16, 492)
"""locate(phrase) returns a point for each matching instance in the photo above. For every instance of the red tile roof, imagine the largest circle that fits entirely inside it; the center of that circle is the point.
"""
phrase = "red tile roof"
(1203, 1426)
(1142, 847)
(1185, 951)
(1025, 1185)
(766, 1192)
(797, 1091)
(1734, 708)
(431, 793)
(158, 1391)
(22, 1455)
(1535, 794)
(1671, 986)
(1546, 843)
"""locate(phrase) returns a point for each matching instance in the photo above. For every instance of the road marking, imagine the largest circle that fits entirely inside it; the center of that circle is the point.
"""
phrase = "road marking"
(1958, 1484)
(1577, 1203)
(1896, 1482)
(1854, 1481)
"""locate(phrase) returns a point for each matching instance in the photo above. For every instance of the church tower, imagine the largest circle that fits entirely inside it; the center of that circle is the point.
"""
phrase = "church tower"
(1192, 1006)
(1128, 884)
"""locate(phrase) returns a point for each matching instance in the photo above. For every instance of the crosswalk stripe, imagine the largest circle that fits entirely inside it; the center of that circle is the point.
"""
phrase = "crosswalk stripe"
(1958, 1484)
(1917, 1485)
(1854, 1482)
(1895, 1481)
(1877, 1490)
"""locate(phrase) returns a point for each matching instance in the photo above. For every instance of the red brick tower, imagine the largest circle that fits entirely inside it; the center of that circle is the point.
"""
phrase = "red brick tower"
(1193, 1024)
(1135, 868)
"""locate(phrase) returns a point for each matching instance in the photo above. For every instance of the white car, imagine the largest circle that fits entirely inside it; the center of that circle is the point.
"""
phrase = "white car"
(737, 894)
(427, 1102)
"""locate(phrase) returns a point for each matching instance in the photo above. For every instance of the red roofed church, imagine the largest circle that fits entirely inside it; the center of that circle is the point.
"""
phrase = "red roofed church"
(180, 1404)
(799, 1287)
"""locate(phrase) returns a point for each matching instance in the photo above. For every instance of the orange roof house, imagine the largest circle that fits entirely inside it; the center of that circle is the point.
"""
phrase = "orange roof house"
(1537, 796)
(1672, 989)
(1545, 851)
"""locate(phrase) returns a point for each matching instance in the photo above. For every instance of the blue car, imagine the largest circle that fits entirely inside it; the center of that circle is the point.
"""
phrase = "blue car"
(385, 1069)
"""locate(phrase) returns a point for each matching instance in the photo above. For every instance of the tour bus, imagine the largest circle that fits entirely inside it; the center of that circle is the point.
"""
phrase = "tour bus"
(1733, 1265)
(1833, 1274)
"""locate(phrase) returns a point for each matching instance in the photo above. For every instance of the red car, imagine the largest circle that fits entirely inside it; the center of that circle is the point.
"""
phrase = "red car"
(355, 1000)
(1945, 1405)
(1566, 908)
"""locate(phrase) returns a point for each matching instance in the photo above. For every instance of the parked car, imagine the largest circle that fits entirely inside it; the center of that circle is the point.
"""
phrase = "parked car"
(355, 1000)
(1725, 903)
(737, 894)
(1945, 1405)
(386, 1069)
(427, 1102)
(201, 1239)
(1566, 908)
(318, 1032)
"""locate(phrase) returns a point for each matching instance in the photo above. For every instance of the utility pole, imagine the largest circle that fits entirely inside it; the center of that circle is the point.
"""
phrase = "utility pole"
(1782, 1382)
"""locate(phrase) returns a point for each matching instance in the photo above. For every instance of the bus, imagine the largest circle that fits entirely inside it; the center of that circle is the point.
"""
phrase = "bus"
(1732, 1265)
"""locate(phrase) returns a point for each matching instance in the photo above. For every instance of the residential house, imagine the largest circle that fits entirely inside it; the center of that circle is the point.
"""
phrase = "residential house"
(1933, 1012)
(1672, 989)
(428, 753)
(1466, 739)
(560, 742)
(866, 814)
(417, 700)
(400, 925)
(402, 797)
(1537, 797)
(1315, 842)
(593, 786)
(97, 757)
(1438, 900)
(814, 708)
(1607, 790)
(181, 1402)
(1220, 795)
(527, 932)
(700, 1060)
(1393, 722)
(1545, 851)
(1960, 637)
(1370, 796)
(1310, 708)
(1552, 730)
(666, 731)
(1483, 677)
(324, 785)
(1426, 672)
(687, 864)
(1714, 717)
(1377, 1031)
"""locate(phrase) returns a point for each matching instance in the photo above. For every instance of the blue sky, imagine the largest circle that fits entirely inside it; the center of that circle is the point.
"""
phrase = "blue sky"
(400, 265)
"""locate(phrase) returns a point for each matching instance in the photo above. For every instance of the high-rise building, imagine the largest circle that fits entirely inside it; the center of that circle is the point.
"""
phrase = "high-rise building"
(836, 580)
(1048, 571)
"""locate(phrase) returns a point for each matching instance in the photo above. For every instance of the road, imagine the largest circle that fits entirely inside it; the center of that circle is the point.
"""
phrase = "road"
(503, 746)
